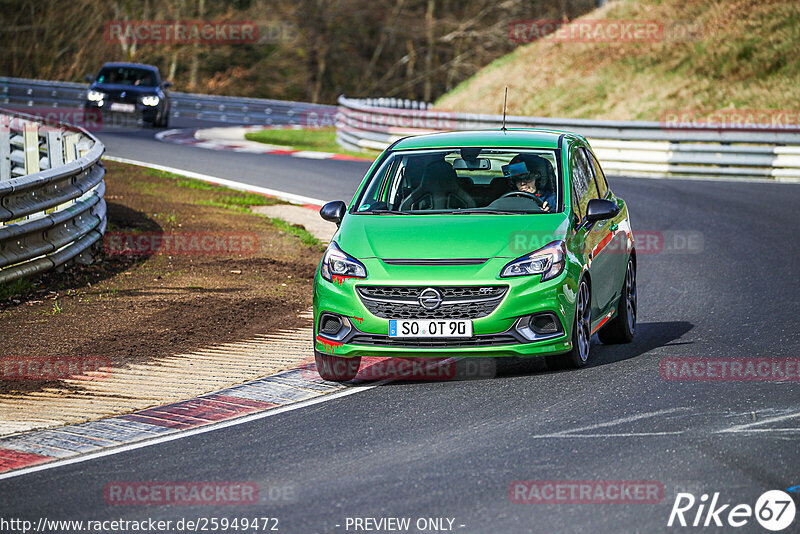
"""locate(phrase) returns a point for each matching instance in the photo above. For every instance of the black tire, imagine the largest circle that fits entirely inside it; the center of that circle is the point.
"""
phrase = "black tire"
(581, 332)
(164, 120)
(622, 328)
(336, 369)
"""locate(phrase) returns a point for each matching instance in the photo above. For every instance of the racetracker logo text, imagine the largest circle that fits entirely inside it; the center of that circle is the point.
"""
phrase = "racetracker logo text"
(180, 493)
(181, 32)
(53, 120)
(180, 243)
(603, 31)
(585, 492)
(730, 369)
(54, 368)
(748, 120)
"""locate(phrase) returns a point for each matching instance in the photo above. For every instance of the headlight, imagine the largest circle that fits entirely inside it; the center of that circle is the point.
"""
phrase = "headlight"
(95, 96)
(337, 263)
(150, 100)
(548, 261)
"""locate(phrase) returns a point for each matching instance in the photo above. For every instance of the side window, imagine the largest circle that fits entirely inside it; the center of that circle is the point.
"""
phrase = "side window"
(583, 188)
(600, 178)
(374, 197)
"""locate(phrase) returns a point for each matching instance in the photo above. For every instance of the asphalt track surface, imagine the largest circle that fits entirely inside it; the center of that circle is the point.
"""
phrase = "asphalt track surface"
(452, 448)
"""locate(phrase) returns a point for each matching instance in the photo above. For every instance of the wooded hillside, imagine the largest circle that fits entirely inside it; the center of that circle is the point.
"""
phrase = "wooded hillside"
(310, 50)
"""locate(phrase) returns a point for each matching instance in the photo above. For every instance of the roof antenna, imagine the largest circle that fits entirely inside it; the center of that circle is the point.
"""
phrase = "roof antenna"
(505, 102)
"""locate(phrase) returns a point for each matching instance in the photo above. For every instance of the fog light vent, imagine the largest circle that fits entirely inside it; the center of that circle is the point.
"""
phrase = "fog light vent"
(545, 323)
(330, 324)
(540, 326)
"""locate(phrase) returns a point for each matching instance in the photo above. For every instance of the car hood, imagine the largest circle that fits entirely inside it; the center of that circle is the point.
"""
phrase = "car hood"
(448, 236)
(133, 89)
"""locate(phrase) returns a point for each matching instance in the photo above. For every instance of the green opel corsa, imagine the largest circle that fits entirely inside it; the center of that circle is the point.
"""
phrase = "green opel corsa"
(480, 243)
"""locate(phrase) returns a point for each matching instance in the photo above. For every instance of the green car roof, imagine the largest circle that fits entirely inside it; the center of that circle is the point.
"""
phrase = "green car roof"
(512, 137)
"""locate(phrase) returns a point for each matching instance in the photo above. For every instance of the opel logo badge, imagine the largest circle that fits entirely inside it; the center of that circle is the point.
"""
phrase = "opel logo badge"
(430, 299)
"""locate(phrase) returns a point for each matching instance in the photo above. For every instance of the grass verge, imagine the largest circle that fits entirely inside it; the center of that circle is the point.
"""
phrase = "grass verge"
(316, 139)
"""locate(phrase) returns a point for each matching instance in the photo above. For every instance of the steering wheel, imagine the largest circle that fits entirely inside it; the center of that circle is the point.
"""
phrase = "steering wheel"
(524, 194)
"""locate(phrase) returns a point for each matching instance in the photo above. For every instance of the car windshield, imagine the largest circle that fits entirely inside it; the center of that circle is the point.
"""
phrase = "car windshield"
(466, 180)
(127, 76)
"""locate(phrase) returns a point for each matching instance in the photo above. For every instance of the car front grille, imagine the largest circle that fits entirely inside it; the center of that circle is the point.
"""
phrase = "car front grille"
(485, 340)
(458, 302)
(131, 97)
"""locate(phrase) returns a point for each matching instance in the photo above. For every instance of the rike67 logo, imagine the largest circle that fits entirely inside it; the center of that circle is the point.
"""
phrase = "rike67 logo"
(774, 510)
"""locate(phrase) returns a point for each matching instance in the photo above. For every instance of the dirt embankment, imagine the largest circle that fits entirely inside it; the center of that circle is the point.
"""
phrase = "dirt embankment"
(205, 271)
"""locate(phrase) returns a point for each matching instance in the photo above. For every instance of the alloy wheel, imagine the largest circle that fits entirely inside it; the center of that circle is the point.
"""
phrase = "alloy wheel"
(583, 323)
(630, 293)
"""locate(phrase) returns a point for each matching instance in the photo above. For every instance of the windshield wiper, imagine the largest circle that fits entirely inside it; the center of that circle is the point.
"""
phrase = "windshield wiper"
(384, 212)
(489, 212)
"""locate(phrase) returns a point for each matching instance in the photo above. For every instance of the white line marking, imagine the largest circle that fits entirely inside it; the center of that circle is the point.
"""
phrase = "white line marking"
(763, 430)
(746, 427)
(621, 420)
(614, 435)
(239, 186)
(193, 432)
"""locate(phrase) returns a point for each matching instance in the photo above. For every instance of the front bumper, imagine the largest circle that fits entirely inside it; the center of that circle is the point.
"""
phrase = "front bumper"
(145, 113)
(493, 335)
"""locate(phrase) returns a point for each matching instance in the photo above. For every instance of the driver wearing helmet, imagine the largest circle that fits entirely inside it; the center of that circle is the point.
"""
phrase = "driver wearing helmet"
(536, 180)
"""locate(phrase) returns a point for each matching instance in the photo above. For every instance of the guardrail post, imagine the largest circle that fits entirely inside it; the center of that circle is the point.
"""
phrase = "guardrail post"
(31, 147)
(55, 149)
(55, 158)
(5, 148)
(70, 147)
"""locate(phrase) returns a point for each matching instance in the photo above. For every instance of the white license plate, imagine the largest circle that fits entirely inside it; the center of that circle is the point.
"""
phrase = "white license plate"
(429, 328)
(119, 106)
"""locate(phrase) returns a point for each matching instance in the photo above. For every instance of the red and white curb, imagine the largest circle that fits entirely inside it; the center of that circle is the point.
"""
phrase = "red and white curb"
(256, 397)
(231, 141)
(288, 390)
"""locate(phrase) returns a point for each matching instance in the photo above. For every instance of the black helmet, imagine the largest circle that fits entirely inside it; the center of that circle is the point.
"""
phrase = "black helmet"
(539, 168)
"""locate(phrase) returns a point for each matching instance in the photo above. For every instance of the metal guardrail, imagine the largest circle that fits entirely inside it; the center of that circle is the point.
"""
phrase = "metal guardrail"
(51, 195)
(23, 92)
(636, 148)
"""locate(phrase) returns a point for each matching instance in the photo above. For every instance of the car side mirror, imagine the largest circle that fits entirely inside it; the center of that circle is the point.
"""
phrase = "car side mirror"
(89, 78)
(333, 211)
(600, 209)
(167, 85)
